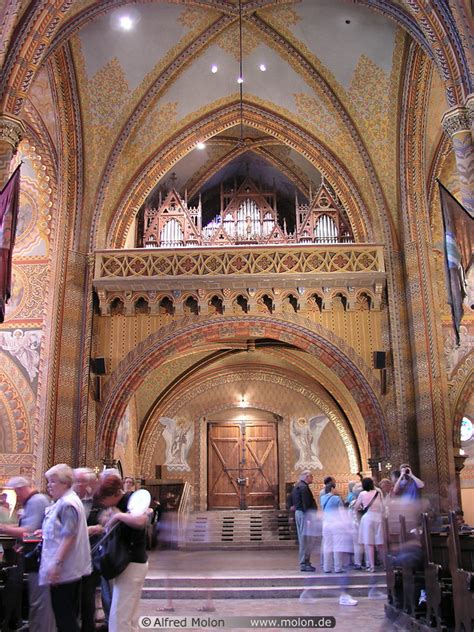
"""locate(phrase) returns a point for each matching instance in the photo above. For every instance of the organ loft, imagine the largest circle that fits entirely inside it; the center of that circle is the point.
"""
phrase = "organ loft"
(248, 215)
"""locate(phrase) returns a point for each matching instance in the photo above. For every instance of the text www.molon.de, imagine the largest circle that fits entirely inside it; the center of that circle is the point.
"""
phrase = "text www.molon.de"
(222, 623)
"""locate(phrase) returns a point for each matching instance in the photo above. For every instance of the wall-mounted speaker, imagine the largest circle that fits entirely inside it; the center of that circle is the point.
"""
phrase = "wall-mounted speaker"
(98, 366)
(380, 359)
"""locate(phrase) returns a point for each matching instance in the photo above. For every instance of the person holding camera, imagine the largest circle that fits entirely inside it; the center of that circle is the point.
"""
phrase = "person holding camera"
(407, 486)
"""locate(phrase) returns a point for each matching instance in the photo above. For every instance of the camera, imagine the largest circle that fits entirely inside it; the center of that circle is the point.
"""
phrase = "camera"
(407, 470)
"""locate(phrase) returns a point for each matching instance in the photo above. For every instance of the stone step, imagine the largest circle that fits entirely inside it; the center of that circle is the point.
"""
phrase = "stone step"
(237, 546)
(295, 579)
(255, 591)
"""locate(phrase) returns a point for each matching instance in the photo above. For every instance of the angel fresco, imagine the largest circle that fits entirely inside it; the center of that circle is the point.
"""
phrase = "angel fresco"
(24, 346)
(178, 436)
(305, 435)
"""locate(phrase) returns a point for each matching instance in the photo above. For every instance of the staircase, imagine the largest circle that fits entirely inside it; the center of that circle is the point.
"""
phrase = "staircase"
(244, 573)
(251, 586)
(240, 529)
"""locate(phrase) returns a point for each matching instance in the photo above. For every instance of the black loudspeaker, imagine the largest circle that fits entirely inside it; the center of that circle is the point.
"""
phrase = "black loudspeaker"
(98, 366)
(157, 471)
(380, 359)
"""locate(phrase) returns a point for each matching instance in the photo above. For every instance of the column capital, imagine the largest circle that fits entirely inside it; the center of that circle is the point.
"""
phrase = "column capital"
(11, 130)
(455, 121)
(470, 107)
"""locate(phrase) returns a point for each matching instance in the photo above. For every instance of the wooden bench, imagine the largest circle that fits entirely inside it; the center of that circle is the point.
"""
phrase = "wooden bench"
(438, 584)
(412, 577)
(461, 560)
(392, 569)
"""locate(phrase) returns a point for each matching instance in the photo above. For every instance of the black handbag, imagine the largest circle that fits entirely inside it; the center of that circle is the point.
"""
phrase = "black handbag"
(111, 556)
(363, 510)
(31, 554)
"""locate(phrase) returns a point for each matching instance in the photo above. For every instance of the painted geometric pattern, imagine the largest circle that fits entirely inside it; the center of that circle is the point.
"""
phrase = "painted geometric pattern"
(296, 261)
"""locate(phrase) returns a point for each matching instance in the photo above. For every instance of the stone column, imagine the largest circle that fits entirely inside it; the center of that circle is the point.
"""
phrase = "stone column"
(457, 123)
(458, 467)
(11, 133)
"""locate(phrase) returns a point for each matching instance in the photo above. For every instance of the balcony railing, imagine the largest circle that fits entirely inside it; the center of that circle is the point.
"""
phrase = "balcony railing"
(115, 265)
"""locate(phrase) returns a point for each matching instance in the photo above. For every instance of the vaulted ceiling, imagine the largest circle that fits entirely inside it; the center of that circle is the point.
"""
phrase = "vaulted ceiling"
(325, 105)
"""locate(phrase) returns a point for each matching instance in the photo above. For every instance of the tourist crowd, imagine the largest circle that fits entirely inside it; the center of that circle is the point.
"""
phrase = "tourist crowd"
(62, 543)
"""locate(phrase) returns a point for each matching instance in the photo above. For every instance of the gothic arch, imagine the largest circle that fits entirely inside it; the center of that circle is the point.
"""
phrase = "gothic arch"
(168, 408)
(462, 387)
(339, 359)
(365, 223)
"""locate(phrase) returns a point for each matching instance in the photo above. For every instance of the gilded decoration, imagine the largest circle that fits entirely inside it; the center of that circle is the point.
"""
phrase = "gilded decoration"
(281, 17)
(258, 116)
(17, 404)
(361, 327)
(374, 96)
(325, 85)
(195, 18)
(36, 201)
(157, 125)
(11, 130)
(108, 93)
(159, 380)
(30, 286)
(130, 105)
(229, 40)
(430, 395)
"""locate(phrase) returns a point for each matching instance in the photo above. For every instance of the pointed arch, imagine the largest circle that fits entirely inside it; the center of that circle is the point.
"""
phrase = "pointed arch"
(365, 222)
(340, 360)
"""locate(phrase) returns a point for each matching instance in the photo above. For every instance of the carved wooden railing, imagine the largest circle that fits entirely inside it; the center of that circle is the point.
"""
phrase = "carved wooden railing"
(205, 262)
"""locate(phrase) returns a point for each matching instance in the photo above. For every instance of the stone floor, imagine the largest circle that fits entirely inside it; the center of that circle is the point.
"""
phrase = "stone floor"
(367, 616)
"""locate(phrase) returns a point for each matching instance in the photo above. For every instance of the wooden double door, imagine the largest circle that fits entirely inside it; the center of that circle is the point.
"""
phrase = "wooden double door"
(242, 465)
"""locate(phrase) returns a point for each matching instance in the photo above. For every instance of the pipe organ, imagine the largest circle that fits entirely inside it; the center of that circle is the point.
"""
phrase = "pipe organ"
(247, 215)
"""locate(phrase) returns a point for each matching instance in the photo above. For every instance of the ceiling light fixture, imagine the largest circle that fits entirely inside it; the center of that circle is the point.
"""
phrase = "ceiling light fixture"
(214, 69)
(126, 22)
(201, 145)
(262, 67)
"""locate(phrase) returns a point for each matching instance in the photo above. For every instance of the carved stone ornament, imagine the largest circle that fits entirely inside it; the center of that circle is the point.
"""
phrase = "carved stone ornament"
(11, 130)
(470, 108)
(456, 121)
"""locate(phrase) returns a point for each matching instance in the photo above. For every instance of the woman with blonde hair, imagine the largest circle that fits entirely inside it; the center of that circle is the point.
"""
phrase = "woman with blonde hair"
(65, 556)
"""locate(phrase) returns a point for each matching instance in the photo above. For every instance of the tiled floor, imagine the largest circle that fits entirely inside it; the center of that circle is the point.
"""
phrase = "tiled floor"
(367, 616)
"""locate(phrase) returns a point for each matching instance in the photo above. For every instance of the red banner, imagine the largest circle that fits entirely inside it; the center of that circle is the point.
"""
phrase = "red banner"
(9, 202)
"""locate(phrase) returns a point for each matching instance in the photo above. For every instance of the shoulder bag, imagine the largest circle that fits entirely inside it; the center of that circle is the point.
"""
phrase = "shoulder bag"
(363, 510)
(111, 555)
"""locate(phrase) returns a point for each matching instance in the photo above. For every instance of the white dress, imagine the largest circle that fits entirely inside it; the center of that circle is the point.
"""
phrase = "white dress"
(370, 528)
